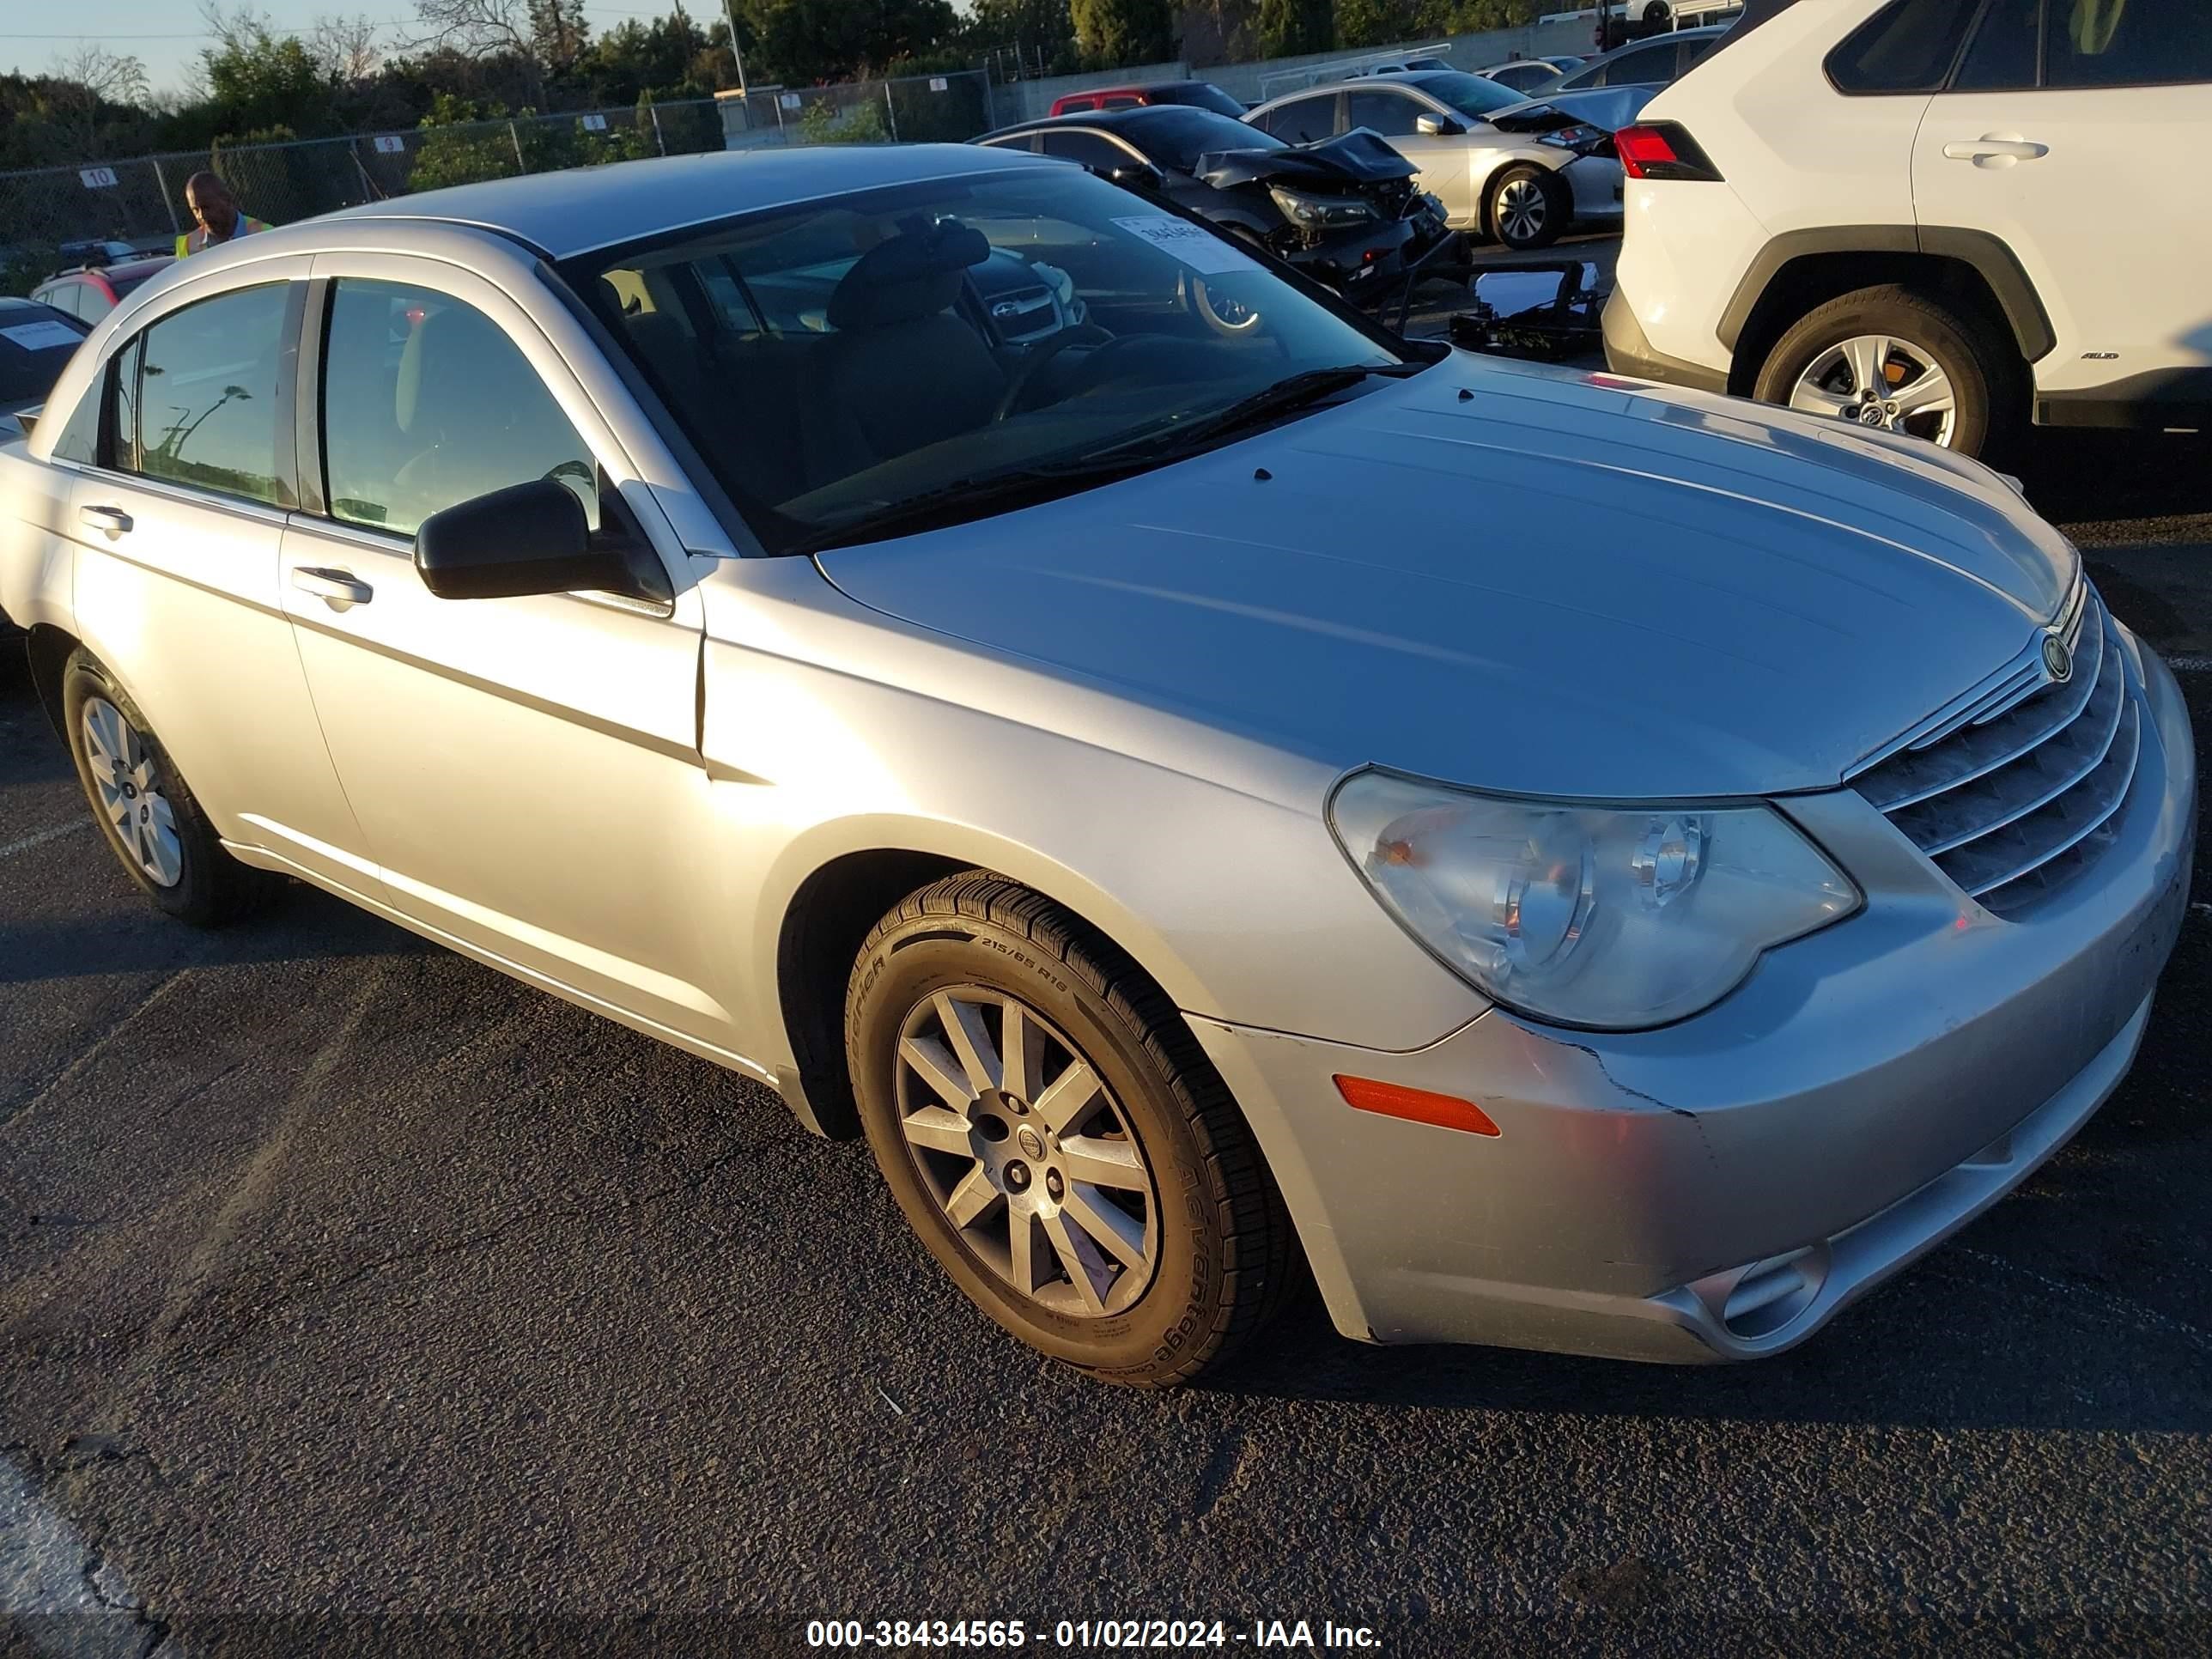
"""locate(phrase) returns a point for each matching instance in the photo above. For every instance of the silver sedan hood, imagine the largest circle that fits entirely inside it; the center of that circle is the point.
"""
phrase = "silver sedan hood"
(1527, 579)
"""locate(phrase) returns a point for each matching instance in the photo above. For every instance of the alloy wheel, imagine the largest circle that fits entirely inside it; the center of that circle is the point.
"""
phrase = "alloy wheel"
(129, 783)
(1522, 211)
(1025, 1150)
(1881, 381)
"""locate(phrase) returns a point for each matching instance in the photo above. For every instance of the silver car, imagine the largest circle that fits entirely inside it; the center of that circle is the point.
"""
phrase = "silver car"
(1521, 173)
(1115, 772)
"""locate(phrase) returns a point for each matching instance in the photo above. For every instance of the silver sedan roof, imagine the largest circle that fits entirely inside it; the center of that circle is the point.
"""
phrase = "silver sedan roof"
(571, 212)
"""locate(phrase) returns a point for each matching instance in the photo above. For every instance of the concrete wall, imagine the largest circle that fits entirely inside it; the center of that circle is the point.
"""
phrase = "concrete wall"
(1023, 100)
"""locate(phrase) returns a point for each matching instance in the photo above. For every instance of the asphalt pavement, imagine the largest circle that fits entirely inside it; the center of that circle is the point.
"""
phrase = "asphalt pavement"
(357, 1298)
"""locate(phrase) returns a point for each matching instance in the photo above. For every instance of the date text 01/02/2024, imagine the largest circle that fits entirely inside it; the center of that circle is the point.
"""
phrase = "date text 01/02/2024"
(1166, 1634)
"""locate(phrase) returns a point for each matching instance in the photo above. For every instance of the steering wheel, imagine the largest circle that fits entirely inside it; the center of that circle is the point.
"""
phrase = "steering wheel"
(1038, 355)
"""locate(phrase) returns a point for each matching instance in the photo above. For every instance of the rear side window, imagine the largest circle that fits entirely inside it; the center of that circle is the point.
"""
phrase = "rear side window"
(427, 403)
(1908, 46)
(196, 396)
(2126, 42)
(1087, 147)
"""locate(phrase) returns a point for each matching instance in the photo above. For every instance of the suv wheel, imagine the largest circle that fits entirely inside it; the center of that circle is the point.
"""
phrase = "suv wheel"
(1529, 207)
(1057, 1139)
(1893, 360)
(152, 822)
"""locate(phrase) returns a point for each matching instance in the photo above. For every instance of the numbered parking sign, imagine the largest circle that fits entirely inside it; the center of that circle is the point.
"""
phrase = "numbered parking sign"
(594, 123)
(937, 83)
(97, 178)
(391, 144)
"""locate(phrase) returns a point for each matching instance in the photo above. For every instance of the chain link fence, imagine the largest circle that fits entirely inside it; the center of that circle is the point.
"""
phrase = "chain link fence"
(141, 201)
(913, 109)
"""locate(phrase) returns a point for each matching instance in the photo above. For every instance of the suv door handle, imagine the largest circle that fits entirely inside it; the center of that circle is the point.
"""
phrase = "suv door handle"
(1993, 148)
(113, 519)
(342, 589)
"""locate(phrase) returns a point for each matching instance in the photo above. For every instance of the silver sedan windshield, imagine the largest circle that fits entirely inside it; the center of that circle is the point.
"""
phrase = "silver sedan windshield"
(834, 361)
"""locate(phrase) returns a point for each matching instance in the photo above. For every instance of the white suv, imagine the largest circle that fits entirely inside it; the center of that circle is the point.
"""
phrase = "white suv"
(1934, 216)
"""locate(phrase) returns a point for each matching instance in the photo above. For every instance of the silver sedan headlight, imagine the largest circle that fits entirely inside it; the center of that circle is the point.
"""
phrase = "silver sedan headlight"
(1612, 918)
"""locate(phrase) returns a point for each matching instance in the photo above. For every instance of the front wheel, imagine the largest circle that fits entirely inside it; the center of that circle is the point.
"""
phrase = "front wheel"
(1528, 207)
(1896, 361)
(1056, 1138)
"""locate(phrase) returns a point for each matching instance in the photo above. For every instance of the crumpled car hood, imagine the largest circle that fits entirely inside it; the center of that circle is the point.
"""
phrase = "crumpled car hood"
(1356, 158)
(1521, 578)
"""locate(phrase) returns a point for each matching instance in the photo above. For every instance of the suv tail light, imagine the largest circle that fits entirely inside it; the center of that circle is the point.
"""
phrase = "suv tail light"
(1662, 149)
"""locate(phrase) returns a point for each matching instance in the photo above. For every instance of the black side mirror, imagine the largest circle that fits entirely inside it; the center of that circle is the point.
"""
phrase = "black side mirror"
(527, 539)
(1437, 126)
(1141, 176)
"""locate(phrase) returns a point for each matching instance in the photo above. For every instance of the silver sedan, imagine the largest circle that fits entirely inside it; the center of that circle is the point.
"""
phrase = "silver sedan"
(1214, 792)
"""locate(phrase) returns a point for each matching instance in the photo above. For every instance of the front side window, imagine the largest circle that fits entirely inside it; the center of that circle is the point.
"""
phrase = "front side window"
(2126, 42)
(2002, 56)
(1908, 46)
(428, 403)
(196, 396)
(1389, 114)
(868, 369)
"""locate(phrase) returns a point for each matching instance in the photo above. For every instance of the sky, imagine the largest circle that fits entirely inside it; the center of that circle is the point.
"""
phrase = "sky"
(167, 37)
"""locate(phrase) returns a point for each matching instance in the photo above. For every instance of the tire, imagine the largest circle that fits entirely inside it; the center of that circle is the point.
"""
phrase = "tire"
(1204, 1250)
(1811, 367)
(1527, 207)
(153, 821)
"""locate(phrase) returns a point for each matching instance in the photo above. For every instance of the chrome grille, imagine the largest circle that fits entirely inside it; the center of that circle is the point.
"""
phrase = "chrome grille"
(2015, 791)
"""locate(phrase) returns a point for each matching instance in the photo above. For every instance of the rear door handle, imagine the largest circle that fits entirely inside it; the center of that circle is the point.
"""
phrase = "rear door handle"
(113, 519)
(1993, 148)
(341, 588)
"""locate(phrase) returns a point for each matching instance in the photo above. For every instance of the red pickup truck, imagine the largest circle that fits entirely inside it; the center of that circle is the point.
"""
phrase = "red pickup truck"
(1204, 94)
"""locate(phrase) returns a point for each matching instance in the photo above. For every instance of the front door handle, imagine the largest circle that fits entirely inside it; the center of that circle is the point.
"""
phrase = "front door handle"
(1991, 150)
(113, 519)
(342, 589)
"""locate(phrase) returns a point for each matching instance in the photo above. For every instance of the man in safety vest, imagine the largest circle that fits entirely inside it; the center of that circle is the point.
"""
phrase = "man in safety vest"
(218, 212)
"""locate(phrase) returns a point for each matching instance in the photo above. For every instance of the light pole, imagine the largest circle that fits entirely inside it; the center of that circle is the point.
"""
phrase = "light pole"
(730, 11)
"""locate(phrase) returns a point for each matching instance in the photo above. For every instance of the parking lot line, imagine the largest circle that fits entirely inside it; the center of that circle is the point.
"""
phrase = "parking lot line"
(42, 837)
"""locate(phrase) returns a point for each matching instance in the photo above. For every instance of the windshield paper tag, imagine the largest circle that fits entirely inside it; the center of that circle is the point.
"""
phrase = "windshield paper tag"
(37, 337)
(1195, 246)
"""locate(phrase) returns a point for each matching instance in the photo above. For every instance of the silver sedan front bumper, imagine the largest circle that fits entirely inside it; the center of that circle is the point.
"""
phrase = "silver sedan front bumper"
(1719, 1189)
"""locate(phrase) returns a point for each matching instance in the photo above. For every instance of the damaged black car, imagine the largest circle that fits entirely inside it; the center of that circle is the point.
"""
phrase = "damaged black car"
(1346, 212)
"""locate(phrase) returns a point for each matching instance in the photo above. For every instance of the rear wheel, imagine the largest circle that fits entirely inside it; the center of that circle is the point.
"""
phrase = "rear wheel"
(1056, 1138)
(153, 822)
(1894, 360)
(1528, 207)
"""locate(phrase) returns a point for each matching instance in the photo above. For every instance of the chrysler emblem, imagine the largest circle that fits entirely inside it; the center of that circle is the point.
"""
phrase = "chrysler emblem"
(2057, 660)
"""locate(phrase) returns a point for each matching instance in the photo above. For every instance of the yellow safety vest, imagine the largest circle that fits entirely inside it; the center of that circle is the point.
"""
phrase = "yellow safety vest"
(193, 241)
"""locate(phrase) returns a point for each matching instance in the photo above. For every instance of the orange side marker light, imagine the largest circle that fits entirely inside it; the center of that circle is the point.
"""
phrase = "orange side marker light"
(1365, 1094)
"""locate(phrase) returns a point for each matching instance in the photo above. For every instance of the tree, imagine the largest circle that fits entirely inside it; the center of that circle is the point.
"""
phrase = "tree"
(1288, 28)
(347, 50)
(84, 82)
(258, 81)
(481, 30)
(558, 32)
(1117, 32)
(806, 42)
(1378, 22)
